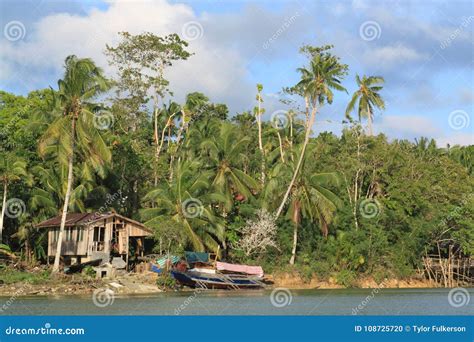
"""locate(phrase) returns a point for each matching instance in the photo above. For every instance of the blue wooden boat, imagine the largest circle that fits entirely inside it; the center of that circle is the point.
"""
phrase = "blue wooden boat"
(216, 281)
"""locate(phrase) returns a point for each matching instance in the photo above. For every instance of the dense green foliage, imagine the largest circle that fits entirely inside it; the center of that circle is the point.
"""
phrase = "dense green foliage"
(195, 174)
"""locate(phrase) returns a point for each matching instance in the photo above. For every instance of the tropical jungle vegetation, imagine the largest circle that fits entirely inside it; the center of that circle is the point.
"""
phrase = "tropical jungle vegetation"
(199, 176)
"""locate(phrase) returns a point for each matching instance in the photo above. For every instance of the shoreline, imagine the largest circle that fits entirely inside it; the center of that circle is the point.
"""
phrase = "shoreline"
(145, 284)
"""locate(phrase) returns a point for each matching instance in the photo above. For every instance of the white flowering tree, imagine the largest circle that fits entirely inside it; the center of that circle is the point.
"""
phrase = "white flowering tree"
(258, 234)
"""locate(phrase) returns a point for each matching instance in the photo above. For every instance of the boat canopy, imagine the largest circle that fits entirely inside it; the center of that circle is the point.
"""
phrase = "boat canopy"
(251, 270)
(194, 257)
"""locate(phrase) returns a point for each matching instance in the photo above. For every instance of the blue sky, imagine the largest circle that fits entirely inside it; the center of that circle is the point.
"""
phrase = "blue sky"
(424, 49)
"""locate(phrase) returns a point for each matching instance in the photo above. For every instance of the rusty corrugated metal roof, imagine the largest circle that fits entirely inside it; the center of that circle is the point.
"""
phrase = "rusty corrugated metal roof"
(73, 219)
(76, 219)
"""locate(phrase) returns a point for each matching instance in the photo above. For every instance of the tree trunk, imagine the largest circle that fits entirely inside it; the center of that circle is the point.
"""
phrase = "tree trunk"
(282, 153)
(295, 242)
(66, 198)
(178, 140)
(157, 148)
(260, 144)
(369, 122)
(4, 204)
(300, 161)
(162, 142)
(296, 220)
(291, 137)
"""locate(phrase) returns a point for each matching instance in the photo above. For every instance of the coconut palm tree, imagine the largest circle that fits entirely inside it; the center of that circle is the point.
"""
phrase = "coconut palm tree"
(192, 109)
(223, 154)
(187, 201)
(12, 169)
(72, 130)
(369, 98)
(310, 197)
(52, 183)
(324, 74)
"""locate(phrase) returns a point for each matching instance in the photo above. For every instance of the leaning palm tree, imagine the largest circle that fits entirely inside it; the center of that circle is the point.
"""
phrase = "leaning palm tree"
(12, 168)
(310, 197)
(324, 74)
(369, 98)
(72, 130)
(186, 201)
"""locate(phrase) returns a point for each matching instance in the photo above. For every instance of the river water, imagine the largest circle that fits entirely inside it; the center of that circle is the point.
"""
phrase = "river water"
(253, 302)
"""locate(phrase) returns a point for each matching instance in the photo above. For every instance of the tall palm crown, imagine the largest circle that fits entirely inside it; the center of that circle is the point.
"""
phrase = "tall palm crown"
(12, 168)
(82, 82)
(322, 76)
(369, 98)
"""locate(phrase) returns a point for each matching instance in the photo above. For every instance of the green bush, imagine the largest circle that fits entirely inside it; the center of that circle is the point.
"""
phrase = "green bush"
(166, 281)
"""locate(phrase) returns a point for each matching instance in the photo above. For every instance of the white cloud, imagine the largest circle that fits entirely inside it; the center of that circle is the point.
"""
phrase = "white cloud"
(391, 55)
(215, 70)
(407, 127)
(411, 127)
(463, 139)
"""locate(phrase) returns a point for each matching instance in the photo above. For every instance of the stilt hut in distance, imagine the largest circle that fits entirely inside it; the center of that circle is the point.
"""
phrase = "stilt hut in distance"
(92, 236)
